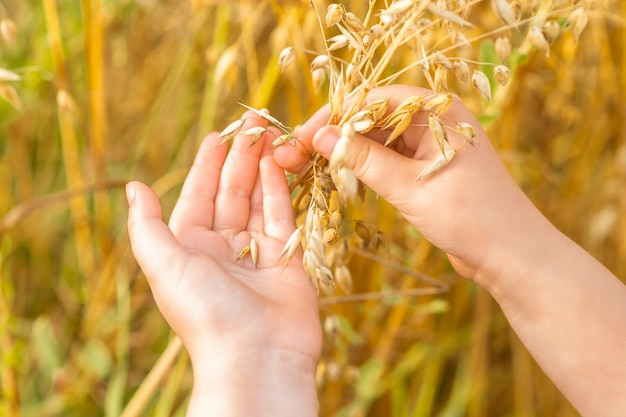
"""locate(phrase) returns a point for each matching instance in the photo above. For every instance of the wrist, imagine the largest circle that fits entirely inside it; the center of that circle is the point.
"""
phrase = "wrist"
(517, 253)
(256, 382)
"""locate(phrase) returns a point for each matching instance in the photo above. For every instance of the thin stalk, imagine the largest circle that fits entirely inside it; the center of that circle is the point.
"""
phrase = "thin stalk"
(9, 394)
(208, 110)
(152, 382)
(93, 28)
(69, 143)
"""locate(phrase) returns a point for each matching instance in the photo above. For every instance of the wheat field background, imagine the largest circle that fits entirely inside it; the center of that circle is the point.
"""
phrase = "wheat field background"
(125, 89)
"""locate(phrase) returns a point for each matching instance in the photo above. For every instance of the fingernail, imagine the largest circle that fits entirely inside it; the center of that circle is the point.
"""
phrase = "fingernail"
(324, 141)
(130, 193)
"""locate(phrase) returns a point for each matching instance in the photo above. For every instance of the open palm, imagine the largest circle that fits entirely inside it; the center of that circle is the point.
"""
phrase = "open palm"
(212, 300)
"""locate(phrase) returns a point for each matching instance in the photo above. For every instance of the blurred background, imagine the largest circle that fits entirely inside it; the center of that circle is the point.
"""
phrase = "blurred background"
(110, 91)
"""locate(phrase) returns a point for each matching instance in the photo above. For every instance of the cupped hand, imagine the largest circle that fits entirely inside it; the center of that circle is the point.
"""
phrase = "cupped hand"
(469, 209)
(213, 301)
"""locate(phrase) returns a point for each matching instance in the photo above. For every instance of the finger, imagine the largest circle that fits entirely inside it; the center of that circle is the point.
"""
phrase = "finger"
(152, 242)
(374, 164)
(293, 157)
(195, 205)
(232, 202)
(277, 207)
(256, 221)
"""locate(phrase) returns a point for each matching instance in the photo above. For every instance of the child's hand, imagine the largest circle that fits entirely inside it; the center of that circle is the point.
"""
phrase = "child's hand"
(561, 302)
(237, 321)
(465, 209)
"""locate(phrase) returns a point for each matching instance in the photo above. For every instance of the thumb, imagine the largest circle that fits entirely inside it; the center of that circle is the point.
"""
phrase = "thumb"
(152, 242)
(374, 164)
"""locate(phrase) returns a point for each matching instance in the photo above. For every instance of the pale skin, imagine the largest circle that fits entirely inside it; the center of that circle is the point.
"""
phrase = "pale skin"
(569, 310)
(253, 334)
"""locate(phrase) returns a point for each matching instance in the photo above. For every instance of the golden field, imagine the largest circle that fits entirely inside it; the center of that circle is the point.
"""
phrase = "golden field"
(120, 90)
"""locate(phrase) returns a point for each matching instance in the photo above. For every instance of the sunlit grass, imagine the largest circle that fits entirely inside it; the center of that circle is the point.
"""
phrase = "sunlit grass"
(121, 90)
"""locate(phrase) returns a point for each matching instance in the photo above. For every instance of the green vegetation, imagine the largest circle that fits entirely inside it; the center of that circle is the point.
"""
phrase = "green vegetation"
(119, 90)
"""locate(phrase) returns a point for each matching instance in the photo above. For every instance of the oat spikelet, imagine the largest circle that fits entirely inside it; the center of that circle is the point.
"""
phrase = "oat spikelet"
(341, 152)
(503, 49)
(462, 71)
(378, 240)
(461, 41)
(439, 131)
(362, 231)
(264, 113)
(230, 131)
(255, 132)
(254, 252)
(318, 76)
(538, 40)
(343, 277)
(336, 96)
(447, 15)
(292, 245)
(227, 64)
(442, 60)
(504, 11)
(331, 326)
(334, 14)
(411, 104)
(399, 7)
(325, 279)
(501, 73)
(244, 251)
(338, 42)
(346, 182)
(403, 122)
(286, 57)
(551, 30)
(353, 23)
(373, 34)
(362, 121)
(377, 109)
(320, 61)
(441, 79)
(481, 83)
(578, 22)
(467, 131)
(440, 104)
(281, 140)
(330, 236)
(336, 218)
(436, 164)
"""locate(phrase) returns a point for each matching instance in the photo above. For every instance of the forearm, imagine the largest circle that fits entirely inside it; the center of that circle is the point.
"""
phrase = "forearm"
(274, 384)
(568, 310)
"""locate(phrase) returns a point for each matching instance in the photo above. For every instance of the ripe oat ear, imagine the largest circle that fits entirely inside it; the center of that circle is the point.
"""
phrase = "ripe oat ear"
(363, 52)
